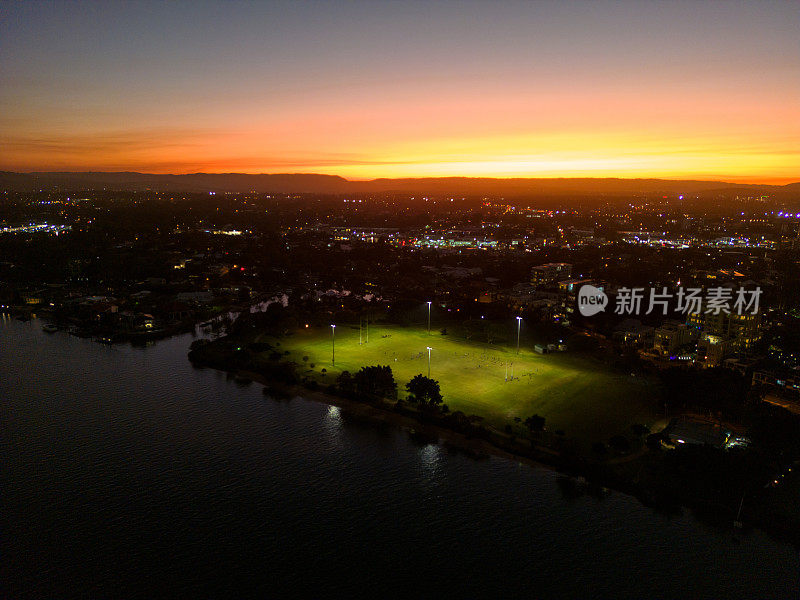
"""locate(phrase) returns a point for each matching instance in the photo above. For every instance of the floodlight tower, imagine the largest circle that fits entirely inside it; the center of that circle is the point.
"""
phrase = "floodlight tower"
(519, 325)
(333, 345)
(429, 361)
(429, 317)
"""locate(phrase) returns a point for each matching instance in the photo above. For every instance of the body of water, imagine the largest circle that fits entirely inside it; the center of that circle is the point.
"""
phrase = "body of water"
(127, 473)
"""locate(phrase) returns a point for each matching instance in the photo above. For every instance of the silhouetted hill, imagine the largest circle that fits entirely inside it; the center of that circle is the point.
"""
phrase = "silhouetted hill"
(331, 184)
(195, 182)
(519, 187)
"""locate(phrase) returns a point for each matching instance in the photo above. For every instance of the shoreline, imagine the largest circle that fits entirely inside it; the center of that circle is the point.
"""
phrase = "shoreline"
(479, 441)
(473, 446)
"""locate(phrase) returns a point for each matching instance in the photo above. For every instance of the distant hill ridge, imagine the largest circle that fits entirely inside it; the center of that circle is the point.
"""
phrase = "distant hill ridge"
(302, 183)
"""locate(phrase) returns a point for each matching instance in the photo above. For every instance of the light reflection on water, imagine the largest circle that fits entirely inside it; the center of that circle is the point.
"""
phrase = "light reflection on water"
(430, 455)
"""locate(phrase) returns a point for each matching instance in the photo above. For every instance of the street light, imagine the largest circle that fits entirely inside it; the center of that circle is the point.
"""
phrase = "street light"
(519, 325)
(429, 361)
(333, 345)
(429, 317)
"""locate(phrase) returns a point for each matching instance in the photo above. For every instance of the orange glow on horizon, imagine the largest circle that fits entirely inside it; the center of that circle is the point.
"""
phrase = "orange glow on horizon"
(453, 158)
(610, 134)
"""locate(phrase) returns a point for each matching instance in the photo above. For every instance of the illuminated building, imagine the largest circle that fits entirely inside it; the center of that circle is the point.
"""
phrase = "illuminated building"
(550, 273)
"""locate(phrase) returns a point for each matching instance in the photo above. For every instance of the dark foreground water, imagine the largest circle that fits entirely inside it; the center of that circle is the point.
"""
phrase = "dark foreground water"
(127, 473)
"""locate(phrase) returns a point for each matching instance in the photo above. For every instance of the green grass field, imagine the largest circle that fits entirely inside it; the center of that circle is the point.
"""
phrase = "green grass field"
(584, 399)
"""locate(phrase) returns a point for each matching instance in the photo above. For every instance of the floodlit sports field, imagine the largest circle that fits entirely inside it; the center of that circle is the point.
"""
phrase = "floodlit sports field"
(573, 394)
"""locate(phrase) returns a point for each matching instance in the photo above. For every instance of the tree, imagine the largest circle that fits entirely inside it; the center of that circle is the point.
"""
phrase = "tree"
(496, 334)
(535, 423)
(581, 342)
(375, 382)
(345, 382)
(714, 389)
(620, 443)
(424, 390)
(473, 329)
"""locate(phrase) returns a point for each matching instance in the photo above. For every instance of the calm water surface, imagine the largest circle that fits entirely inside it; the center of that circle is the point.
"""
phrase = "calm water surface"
(126, 473)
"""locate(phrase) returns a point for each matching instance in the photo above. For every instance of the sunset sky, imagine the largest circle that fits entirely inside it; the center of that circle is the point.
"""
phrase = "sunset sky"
(703, 90)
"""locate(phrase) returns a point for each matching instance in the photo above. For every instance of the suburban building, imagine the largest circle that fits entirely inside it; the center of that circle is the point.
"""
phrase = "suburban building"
(550, 273)
(671, 335)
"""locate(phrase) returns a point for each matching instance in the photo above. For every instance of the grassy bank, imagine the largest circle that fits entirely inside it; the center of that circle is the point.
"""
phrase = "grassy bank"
(583, 398)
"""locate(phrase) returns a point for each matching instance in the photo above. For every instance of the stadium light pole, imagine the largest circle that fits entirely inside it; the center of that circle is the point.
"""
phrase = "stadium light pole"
(519, 325)
(429, 317)
(333, 345)
(429, 361)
